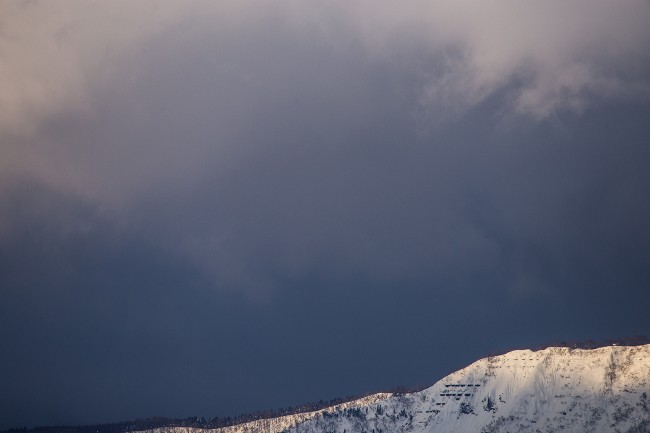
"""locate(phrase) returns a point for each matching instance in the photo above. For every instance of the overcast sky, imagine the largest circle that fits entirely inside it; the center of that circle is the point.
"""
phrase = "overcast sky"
(209, 208)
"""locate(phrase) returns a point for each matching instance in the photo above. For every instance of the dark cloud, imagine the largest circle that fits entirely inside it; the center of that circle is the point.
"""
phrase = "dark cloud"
(371, 274)
(301, 204)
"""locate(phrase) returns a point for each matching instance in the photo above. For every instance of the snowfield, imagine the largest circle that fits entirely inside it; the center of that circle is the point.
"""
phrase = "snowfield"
(551, 390)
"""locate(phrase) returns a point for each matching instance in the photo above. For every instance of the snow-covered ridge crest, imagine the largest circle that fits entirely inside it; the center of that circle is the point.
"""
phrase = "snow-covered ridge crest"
(551, 390)
(278, 424)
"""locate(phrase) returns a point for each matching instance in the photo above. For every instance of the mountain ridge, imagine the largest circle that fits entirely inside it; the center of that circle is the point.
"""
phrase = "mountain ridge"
(494, 394)
(550, 390)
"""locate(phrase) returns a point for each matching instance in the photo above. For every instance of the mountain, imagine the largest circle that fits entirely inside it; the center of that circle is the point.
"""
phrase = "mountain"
(557, 389)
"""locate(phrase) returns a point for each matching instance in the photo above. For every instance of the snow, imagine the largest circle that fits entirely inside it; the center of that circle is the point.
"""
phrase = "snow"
(551, 390)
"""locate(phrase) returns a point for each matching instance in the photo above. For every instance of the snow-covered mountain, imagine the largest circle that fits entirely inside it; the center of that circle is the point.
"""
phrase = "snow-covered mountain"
(551, 390)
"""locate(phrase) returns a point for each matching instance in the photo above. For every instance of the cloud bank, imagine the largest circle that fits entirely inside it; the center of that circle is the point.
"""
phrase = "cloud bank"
(259, 139)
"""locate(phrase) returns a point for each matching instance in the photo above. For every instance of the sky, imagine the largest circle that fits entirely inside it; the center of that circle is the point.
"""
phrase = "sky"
(211, 208)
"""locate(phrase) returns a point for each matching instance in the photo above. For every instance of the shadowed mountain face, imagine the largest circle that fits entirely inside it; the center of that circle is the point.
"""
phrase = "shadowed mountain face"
(551, 390)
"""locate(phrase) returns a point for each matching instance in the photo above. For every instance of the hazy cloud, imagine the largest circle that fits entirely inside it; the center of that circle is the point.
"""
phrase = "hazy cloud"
(294, 130)
(184, 73)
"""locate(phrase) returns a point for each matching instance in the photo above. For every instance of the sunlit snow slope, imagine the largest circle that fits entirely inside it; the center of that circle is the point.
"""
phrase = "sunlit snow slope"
(551, 390)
